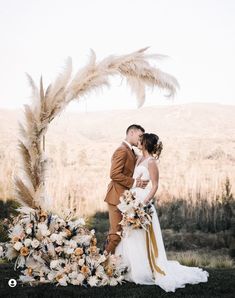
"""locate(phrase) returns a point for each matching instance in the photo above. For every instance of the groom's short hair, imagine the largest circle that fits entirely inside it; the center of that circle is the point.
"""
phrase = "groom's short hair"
(135, 126)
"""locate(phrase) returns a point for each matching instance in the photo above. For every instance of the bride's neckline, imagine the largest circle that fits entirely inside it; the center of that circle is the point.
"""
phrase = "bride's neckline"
(143, 161)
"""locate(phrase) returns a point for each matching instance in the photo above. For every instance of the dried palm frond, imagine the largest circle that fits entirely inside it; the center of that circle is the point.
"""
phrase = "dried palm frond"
(48, 103)
(23, 193)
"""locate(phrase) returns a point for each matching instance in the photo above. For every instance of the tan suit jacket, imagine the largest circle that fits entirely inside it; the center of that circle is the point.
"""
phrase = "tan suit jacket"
(121, 172)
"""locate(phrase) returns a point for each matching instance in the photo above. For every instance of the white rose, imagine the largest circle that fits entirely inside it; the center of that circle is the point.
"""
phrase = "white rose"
(51, 276)
(80, 278)
(54, 264)
(113, 281)
(28, 231)
(81, 262)
(73, 243)
(92, 280)
(73, 274)
(74, 282)
(17, 246)
(102, 259)
(43, 229)
(59, 239)
(35, 243)
(27, 242)
(69, 250)
(123, 207)
(53, 237)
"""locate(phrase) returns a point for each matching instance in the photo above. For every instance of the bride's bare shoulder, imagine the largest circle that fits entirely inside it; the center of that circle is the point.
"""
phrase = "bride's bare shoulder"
(152, 162)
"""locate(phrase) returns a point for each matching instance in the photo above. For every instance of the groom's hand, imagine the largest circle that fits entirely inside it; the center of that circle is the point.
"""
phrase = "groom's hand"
(141, 183)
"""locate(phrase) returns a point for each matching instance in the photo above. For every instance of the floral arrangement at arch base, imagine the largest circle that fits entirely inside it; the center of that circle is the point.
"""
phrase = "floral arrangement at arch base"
(50, 249)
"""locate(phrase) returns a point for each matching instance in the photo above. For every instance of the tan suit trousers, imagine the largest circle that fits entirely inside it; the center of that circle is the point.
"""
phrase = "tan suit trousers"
(115, 217)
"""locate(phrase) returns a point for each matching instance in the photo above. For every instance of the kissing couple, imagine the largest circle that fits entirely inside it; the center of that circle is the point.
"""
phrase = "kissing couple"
(146, 258)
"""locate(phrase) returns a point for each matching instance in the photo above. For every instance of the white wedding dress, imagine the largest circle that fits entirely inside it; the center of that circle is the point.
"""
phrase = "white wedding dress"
(133, 249)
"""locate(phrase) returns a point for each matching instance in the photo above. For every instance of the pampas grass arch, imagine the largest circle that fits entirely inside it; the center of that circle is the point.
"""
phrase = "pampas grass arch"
(48, 103)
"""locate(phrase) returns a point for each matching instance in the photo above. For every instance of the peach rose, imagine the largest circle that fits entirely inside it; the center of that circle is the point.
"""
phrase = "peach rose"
(15, 239)
(68, 232)
(58, 277)
(24, 251)
(30, 271)
(85, 270)
(78, 251)
(93, 249)
(109, 271)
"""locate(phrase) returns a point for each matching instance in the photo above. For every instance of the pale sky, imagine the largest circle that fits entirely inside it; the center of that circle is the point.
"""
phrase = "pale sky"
(198, 35)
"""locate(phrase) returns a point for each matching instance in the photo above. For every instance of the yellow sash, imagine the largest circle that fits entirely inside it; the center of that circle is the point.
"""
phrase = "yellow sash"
(152, 250)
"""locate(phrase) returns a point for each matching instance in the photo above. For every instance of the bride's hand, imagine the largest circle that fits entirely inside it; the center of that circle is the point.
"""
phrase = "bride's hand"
(146, 202)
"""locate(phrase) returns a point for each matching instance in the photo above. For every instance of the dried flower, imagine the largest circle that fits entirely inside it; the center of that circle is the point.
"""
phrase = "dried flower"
(28, 230)
(58, 277)
(85, 270)
(27, 242)
(68, 232)
(78, 251)
(93, 281)
(15, 239)
(29, 271)
(81, 262)
(24, 251)
(59, 258)
(93, 249)
(109, 270)
(35, 243)
(135, 215)
(17, 246)
(54, 264)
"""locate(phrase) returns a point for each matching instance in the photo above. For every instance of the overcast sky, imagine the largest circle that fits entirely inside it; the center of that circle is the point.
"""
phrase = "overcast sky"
(198, 35)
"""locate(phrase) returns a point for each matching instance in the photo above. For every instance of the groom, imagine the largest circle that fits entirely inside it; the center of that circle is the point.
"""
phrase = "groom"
(121, 172)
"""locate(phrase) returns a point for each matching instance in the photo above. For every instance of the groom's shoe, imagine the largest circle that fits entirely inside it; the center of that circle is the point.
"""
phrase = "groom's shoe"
(114, 239)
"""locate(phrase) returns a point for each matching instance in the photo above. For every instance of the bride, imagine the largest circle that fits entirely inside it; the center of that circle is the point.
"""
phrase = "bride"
(145, 255)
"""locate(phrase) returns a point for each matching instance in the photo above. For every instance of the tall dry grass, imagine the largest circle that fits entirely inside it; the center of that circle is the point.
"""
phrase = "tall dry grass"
(198, 154)
(79, 174)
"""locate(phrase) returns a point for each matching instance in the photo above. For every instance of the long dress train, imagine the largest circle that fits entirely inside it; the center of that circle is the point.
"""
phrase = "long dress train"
(145, 255)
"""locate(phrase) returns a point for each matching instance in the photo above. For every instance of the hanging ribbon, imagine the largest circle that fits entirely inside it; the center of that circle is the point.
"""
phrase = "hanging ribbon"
(152, 250)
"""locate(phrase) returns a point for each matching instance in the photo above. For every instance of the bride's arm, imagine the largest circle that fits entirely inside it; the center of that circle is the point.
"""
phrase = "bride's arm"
(154, 177)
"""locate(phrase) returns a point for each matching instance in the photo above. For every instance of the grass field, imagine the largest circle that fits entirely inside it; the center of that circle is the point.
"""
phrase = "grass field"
(221, 283)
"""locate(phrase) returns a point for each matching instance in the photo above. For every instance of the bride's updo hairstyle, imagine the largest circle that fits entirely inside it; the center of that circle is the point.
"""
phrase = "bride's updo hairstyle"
(152, 144)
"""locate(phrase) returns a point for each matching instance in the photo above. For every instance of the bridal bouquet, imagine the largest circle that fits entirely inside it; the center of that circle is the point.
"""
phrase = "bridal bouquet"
(51, 249)
(135, 215)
